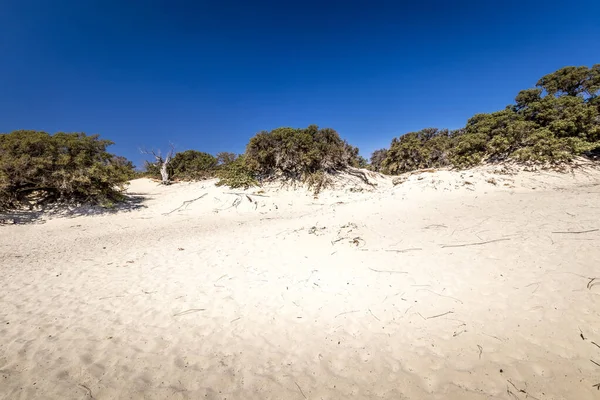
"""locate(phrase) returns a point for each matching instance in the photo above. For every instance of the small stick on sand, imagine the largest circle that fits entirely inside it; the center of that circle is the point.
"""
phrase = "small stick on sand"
(374, 316)
(474, 244)
(441, 315)
(596, 344)
(595, 362)
(110, 297)
(300, 389)
(346, 312)
(405, 250)
(441, 295)
(523, 391)
(88, 390)
(388, 271)
(480, 351)
(190, 311)
(185, 203)
(591, 283)
(246, 194)
(577, 232)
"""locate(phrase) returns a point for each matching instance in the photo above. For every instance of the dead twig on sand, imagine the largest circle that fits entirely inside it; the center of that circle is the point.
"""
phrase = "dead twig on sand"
(388, 271)
(441, 295)
(440, 315)
(577, 232)
(215, 282)
(596, 344)
(300, 389)
(595, 362)
(536, 288)
(111, 297)
(374, 316)
(522, 390)
(347, 312)
(495, 337)
(88, 390)
(474, 244)
(185, 203)
(405, 250)
(435, 226)
(591, 283)
(246, 194)
(190, 311)
(480, 351)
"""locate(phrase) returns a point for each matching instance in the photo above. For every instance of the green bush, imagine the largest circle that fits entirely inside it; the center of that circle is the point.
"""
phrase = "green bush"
(192, 165)
(236, 174)
(552, 123)
(297, 153)
(427, 148)
(377, 158)
(36, 167)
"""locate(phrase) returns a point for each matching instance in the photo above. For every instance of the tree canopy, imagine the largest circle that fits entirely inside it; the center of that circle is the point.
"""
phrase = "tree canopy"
(36, 168)
(554, 122)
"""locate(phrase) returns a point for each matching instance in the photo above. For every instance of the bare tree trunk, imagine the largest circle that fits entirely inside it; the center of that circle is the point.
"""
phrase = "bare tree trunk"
(162, 163)
(163, 168)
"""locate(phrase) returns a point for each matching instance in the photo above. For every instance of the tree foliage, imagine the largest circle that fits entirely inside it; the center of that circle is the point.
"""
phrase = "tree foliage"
(236, 174)
(426, 148)
(377, 159)
(226, 158)
(36, 167)
(192, 165)
(552, 123)
(297, 153)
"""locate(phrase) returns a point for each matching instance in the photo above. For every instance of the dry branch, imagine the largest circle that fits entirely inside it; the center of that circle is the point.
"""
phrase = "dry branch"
(440, 315)
(185, 203)
(374, 316)
(404, 250)
(300, 389)
(246, 194)
(190, 311)
(474, 244)
(577, 232)
(388, 271)
(441, 295)
(347, 312)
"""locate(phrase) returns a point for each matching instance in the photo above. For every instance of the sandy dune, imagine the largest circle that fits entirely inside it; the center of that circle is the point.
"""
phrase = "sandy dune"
(450, 285)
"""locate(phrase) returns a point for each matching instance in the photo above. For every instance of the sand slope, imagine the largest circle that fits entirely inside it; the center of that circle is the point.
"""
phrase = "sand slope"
(447, 286)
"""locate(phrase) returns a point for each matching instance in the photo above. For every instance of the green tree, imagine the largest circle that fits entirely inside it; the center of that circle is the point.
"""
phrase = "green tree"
(377, 159)
(296, 153)
(427, 148)
(225, 158)
(572, 81)
(37, 168)
(192, 165)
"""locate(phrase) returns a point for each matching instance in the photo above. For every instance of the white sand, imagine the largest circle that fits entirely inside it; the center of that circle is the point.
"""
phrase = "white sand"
(248, 302)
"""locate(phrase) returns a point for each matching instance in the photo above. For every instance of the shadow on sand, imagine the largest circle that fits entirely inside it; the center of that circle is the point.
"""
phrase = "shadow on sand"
(132, 202)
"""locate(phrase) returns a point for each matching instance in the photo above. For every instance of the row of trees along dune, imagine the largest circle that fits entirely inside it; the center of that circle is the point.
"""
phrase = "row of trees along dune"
(554, 122)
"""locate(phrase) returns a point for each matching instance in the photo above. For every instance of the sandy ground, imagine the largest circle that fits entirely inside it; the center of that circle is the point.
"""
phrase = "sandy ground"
(472, 285)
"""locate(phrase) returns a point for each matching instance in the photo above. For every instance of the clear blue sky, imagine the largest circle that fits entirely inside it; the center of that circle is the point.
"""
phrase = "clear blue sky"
(210, 74)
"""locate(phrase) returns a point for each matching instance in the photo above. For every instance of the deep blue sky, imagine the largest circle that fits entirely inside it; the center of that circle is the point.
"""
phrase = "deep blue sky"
(210, 74)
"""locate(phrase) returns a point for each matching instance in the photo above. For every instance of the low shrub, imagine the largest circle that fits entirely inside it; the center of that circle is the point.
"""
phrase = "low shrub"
(38, 168)
(236, 174)
(294, 153)
(553, 123)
